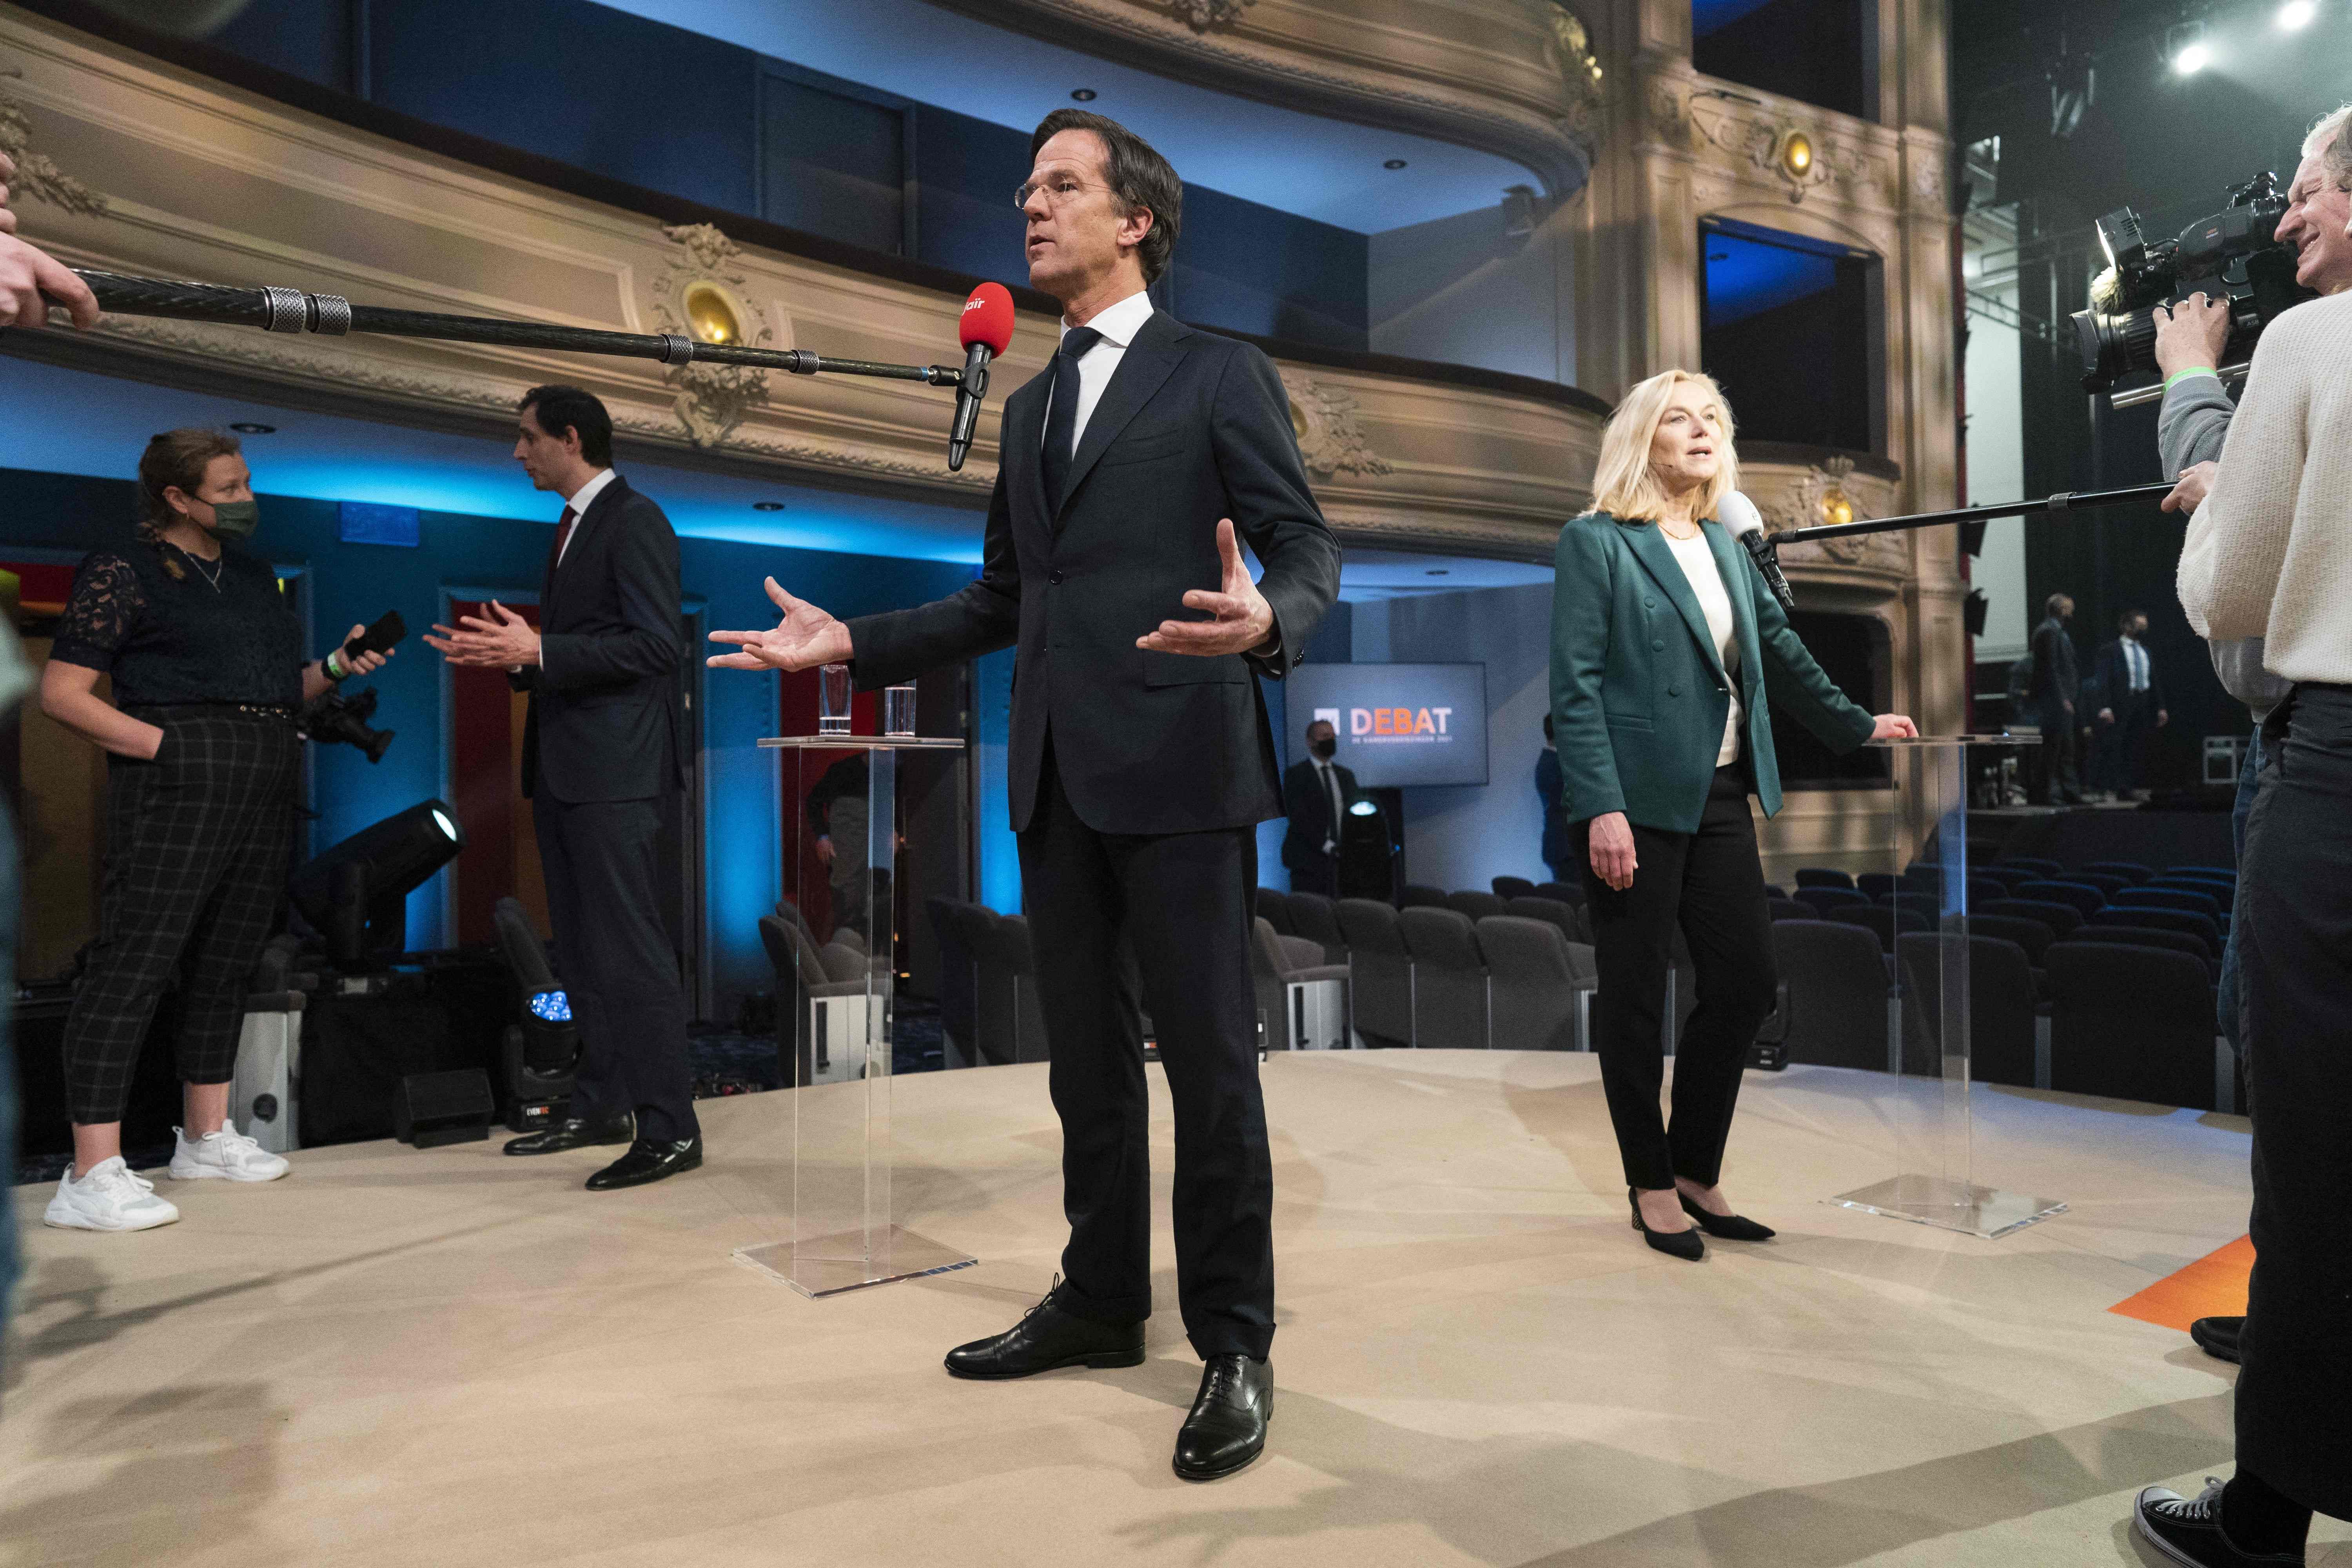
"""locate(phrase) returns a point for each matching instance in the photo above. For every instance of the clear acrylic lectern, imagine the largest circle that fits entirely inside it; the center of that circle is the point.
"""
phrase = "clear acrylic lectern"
(837, 933)
(1924, 1096)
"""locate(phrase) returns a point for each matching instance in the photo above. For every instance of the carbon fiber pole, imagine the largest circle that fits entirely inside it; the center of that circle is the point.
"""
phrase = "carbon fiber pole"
(2064, 502)
(331, 315)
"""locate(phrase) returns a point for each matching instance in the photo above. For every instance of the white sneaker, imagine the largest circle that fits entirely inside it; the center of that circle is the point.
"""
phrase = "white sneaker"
(109, 1198)
(226, 1153)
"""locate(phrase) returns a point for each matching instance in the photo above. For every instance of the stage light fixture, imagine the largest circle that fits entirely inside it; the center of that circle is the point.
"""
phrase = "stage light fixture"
(2188, 47)
(1393, 163)
(2296, 14)
(356, 894)
(1441, 571)
(248, 427)
(767, 506)
(1083, 95)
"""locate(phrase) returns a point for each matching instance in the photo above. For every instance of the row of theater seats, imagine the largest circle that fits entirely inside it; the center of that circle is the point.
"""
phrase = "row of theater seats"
(2099, 980)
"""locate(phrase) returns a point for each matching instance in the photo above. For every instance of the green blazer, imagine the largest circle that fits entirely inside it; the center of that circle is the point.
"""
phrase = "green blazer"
(1638, 694)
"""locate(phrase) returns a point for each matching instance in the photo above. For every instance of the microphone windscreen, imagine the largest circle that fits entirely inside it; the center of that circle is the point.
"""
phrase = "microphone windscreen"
(1739, 514)
(988, 318)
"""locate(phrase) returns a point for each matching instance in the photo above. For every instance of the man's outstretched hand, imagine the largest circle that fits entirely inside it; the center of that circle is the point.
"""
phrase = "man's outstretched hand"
(805, 637)
(1243, 621)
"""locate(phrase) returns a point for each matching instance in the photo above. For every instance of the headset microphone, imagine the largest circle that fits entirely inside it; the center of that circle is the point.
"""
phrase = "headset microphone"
(1739, 514)
(986, 329)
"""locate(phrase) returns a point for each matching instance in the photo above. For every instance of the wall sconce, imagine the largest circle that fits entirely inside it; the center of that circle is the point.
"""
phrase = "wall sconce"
(1796, 154)
(712, 315)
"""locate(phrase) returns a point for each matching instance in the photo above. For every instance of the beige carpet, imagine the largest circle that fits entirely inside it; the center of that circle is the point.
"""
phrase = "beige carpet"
(452, 1358)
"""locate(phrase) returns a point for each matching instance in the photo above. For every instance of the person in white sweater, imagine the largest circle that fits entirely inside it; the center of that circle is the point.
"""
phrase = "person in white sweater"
(2269, 555)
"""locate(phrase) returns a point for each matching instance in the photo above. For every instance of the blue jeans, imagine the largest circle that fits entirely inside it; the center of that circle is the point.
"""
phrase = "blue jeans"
(10, 895)
(2227, 996)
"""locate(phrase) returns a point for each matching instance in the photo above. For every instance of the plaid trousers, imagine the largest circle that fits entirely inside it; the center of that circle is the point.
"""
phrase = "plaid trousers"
(198, 841)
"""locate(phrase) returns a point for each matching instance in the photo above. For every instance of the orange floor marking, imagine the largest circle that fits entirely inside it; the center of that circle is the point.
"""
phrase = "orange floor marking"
(2212, 1287)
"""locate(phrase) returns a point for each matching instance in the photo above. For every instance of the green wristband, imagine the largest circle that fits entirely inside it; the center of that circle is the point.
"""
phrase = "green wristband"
(2180, 375)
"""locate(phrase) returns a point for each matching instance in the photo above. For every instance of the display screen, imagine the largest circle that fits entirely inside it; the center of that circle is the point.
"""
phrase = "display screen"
(1399, 724)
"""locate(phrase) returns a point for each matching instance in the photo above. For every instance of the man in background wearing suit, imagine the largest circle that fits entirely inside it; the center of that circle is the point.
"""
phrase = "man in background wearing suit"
(1559, 846)
(2131, 705)
(603, 760)
(2050, 696)
(1141, 759)
(1315, 796)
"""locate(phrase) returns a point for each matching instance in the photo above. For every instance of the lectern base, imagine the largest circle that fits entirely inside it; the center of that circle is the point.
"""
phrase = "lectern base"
(1950, 1205)
(830, 1265)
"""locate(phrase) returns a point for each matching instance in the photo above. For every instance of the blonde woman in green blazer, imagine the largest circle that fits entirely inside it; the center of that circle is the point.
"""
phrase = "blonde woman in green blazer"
(1666, 646)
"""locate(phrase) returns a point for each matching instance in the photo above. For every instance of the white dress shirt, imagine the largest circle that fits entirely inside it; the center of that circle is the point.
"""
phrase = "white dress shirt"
(2136, 662)
(1118, 324)
(578, 506)
(1697, 562)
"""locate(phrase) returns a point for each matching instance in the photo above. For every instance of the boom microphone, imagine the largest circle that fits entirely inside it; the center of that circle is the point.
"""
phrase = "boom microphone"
(985, 332)
(1738, 513)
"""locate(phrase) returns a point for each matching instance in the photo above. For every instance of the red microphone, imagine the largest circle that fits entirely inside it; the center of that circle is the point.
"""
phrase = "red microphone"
(985, 331)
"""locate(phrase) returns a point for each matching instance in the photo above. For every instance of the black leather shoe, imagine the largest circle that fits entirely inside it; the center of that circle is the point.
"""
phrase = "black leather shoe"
(1227, 1426)
(1047, 1338)
(647, 1161)
(1730, 1227)
(1687, 1245)
(2189, 1531)
(571, 1134)
(2218, 1337)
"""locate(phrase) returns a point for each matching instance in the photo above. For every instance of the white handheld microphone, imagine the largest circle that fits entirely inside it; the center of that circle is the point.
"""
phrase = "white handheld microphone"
(1739, 514)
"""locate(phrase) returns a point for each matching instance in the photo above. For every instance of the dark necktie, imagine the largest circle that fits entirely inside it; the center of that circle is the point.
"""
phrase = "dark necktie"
(1062, 418)
(555, 554)
(1331, 793)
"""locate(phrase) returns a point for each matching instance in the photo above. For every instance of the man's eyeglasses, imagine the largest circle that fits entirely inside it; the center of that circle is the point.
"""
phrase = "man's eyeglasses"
(1058, 188)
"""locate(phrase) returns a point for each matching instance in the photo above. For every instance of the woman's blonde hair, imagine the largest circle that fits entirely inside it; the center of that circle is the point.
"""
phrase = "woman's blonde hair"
(1624, 485)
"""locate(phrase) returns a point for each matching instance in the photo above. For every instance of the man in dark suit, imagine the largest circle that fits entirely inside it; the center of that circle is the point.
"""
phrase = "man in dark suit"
(2050, 697)
(1315, 796)
(2131, 704)
(1141, 759)
(603, 760)
(1559, 845)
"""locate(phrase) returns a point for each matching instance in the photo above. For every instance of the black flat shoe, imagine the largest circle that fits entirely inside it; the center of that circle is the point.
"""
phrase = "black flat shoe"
(1226, 1428)
(1045, 1340)
(1728, 1226)
(573, 1133)
(647, 1161)
(2218, 1337)
(1687, 1245)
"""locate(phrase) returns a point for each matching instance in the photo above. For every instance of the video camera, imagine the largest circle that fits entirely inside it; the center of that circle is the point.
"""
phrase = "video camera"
(334, 717)
(2234, 253)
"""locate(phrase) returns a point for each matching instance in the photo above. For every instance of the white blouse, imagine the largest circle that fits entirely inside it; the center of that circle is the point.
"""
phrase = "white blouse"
(1706, 581)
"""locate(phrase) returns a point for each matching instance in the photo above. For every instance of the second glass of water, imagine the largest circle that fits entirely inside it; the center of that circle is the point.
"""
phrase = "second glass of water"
(833, 699)
(898, 710)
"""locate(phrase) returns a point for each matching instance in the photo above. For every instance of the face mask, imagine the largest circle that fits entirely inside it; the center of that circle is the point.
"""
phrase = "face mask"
(233, 520)
(1326, 749)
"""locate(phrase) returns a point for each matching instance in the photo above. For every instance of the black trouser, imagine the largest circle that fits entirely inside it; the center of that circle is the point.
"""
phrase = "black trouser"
(2053, 762)
(1183, 899)
(602, 862)
(2294, 902)
(197, 842)
(1711, 883)
(2123, 743)
(1321, 873)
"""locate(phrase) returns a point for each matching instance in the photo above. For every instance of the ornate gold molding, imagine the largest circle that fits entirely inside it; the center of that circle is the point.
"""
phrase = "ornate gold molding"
(1330, 438)
(1203, 15)
(1801, 156)
(36, 175)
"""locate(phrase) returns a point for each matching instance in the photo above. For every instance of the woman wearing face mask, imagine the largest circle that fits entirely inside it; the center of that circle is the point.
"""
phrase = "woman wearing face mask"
(1666, 642)
(206, 662)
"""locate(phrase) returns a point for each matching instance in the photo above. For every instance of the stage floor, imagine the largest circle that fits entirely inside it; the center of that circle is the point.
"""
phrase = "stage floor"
(452, 1358)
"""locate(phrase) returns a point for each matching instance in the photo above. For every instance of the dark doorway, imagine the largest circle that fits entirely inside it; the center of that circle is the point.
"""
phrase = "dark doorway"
(1822, 52)
(1857, 653)
(1794, 330)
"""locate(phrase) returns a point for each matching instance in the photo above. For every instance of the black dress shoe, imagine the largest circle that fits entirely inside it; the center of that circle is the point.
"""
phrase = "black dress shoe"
(1227, 1426)
(2189, 1531)
(648, 1161)
(1047, 1338)
(1687, 1245)
(2218, 1337)
(1730, 1227)
(573, 1133)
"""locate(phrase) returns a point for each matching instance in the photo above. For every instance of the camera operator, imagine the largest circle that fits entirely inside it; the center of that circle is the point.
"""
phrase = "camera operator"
(2266, 556)
(205, 657)
(2189, 339)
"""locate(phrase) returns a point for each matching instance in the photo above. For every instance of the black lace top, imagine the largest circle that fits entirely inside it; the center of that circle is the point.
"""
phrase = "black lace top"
(167, 640)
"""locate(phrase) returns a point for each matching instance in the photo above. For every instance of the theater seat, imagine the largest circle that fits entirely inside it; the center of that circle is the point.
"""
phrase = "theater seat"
(959, 989)
(1835, 979)
(1380, 970)
(1313, 917)
(1450, 1005)
(1566, 892)
(1013, 1026)
(1541, 984)
(2084, 900)
(1416, 895)
(2034, 937)
(2059, 917)
(1823, 876)
(1272, 906)
(2194, 924)
(1302, 999)
(2149, 936)
(2131, 871)
(1509, 888)
(2001, 1022)
(1825, 898)
(1574, 927)
(1789, 909)
(2131, 1022)
(1475, 905)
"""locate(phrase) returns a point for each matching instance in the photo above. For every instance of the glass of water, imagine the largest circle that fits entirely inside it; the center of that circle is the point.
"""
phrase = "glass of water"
(833, 699)
(898, 710)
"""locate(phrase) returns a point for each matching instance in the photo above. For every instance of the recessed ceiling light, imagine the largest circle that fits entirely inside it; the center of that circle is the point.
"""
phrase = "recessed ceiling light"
(1441, 571)
(1083, 95)
(1719, 255)
(248, 427)
(767, 506)
(1393, 163)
